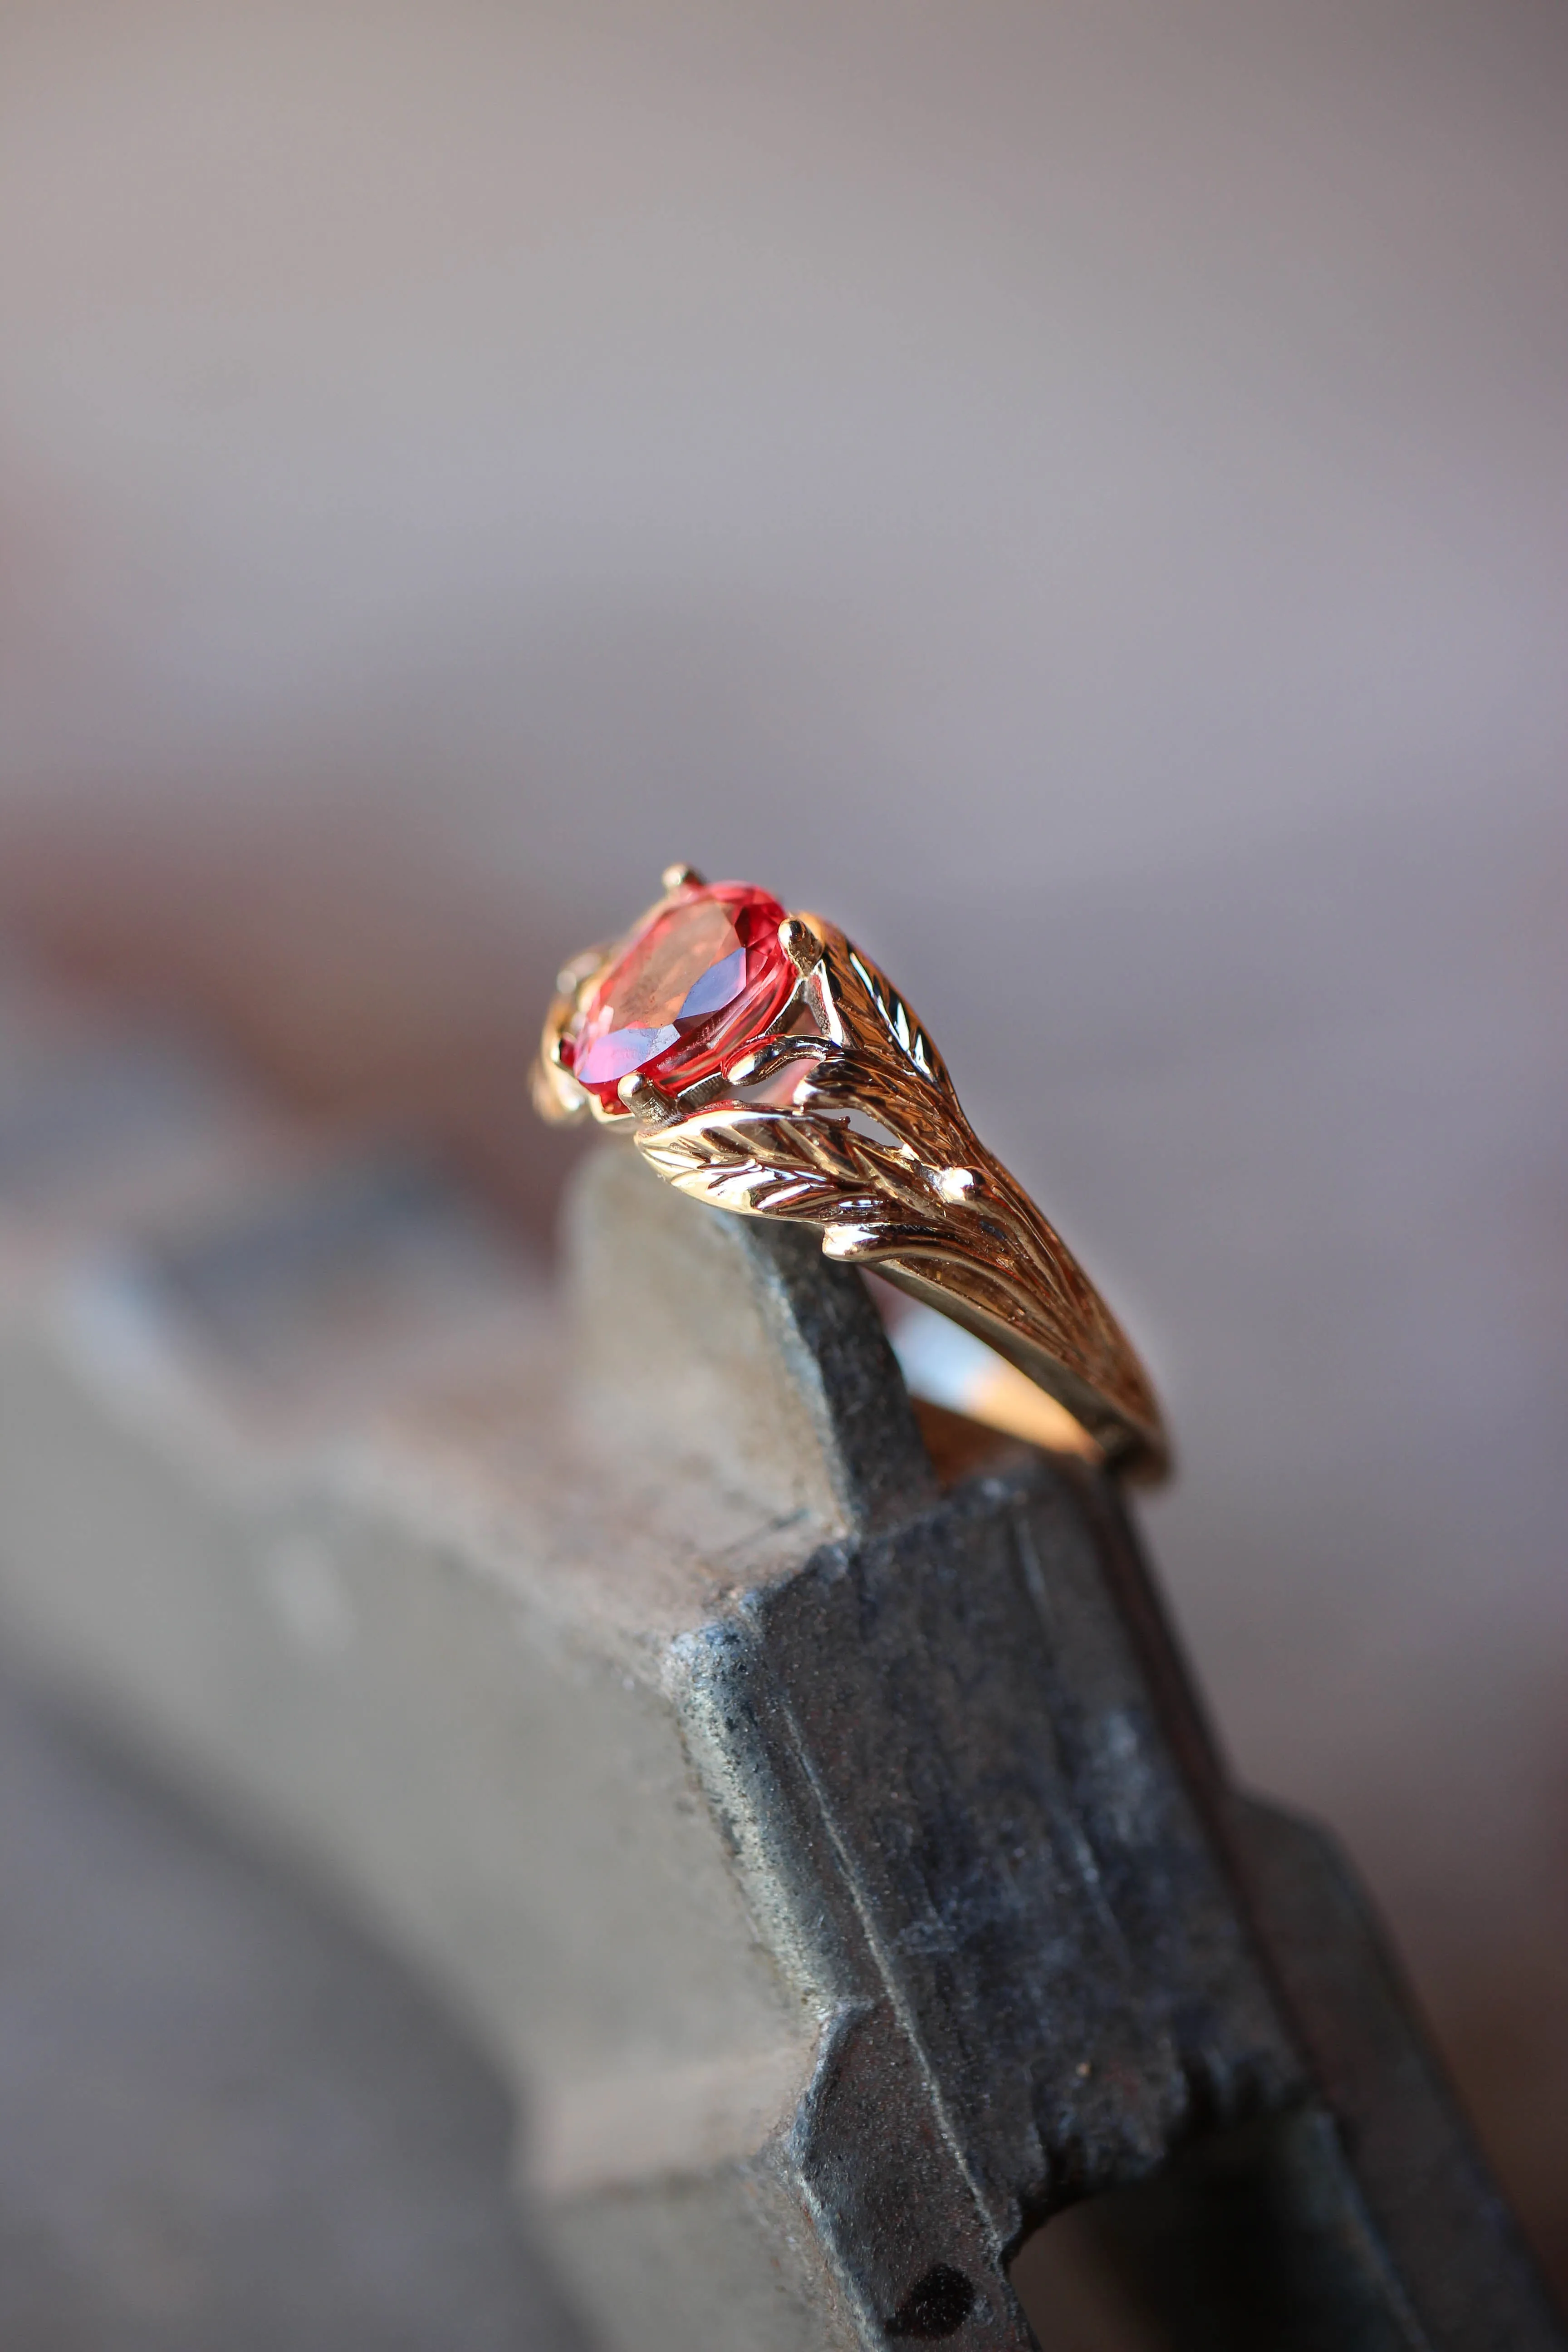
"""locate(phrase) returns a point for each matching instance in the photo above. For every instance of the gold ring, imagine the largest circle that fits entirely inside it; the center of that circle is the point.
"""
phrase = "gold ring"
(762, 1064)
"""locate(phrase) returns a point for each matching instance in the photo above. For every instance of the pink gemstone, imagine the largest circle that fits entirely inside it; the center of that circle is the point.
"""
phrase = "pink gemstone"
(703, 978)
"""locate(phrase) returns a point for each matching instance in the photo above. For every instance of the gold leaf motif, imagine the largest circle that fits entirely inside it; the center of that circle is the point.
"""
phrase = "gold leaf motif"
(874, 1151)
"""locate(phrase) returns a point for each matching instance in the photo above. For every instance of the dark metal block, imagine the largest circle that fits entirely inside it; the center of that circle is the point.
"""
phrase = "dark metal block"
(835, 1856)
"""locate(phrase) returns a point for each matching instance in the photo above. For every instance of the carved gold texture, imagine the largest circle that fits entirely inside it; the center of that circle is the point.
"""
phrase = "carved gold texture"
(870, 1145)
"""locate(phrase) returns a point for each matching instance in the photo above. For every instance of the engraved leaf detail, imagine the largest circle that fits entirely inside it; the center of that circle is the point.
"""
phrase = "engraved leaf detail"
(920, 1193)
(812, 1162)
(897, 1020)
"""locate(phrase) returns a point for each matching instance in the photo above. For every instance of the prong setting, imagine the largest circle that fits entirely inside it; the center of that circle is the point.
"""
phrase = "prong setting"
(647, 1103)
(680, 878)
(802, 943)
(556, 1096)
(571, 976)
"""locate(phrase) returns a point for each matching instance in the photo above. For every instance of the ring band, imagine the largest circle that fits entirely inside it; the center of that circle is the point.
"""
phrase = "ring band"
(762, 1064)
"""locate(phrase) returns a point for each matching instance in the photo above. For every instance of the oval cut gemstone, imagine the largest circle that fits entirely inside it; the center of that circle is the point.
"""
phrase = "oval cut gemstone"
(702, 977)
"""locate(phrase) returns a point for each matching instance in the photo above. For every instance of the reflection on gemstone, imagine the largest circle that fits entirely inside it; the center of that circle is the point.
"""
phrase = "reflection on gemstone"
(716, 988)
(610, 1057)
(703, 977)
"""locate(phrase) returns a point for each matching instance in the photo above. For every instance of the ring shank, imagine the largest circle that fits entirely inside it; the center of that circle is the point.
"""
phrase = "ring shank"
(1132, 1444)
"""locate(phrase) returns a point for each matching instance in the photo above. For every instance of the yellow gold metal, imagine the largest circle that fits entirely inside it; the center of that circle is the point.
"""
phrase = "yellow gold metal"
(918, 1197)
(801, 941)
(644, 1099)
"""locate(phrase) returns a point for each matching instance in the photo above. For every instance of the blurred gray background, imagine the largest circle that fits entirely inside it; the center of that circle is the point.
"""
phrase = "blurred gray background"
(1078, 493)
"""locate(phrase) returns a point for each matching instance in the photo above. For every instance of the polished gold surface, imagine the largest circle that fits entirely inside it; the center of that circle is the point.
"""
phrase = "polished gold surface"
(842, 1116)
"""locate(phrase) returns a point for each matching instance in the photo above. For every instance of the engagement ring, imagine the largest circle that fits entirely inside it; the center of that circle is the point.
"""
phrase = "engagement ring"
(762, 1064)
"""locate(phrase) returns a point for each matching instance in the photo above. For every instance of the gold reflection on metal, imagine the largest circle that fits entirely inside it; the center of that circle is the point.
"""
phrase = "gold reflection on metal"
(870, 1145)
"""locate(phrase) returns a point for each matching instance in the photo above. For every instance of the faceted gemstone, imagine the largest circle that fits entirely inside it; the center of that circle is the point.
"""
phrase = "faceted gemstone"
(702, 977)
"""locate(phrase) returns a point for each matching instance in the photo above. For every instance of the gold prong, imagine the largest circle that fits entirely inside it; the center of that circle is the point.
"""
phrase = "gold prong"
(676, 877)
(571, 976)
(643, 1099)
(802, 944)
(557, 1096)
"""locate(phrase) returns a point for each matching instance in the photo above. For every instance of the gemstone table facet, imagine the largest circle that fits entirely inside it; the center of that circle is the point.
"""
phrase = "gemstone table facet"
(702, 977)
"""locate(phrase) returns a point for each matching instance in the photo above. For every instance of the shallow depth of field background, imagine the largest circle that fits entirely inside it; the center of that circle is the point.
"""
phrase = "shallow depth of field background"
(1079, 493)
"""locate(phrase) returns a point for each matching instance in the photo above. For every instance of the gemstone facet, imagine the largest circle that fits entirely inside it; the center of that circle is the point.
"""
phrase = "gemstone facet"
(702, 977)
